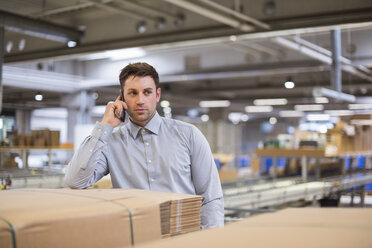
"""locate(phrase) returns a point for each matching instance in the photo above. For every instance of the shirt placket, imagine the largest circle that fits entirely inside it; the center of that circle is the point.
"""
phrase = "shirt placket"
(149, 158)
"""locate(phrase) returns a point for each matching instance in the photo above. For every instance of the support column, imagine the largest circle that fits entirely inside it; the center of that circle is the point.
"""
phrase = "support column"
(23, 121)
(336, 75)
(2, 45)
(79, 106)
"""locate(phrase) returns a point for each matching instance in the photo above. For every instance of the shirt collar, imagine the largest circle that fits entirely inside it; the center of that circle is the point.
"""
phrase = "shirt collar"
(153, 126)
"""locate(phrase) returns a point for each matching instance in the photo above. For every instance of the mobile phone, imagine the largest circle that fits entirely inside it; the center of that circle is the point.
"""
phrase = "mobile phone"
(122, 117)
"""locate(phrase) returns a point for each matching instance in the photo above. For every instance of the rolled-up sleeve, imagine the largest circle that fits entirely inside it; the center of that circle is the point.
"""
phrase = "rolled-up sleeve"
(206, 181)
(89, 163)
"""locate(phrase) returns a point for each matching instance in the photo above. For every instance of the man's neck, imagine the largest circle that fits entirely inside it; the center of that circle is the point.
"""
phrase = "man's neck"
(141, 124)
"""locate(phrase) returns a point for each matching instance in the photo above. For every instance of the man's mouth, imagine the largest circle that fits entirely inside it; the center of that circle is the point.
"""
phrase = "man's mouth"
(140, 111)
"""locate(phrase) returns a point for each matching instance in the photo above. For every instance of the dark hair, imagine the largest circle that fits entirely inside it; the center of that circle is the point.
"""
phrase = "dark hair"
(138, 70)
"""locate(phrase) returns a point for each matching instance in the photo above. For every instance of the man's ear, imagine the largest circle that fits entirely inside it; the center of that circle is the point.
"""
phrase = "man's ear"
(158, 93)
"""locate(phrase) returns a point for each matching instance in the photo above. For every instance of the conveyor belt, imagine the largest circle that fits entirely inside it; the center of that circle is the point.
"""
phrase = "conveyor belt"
(286, 191)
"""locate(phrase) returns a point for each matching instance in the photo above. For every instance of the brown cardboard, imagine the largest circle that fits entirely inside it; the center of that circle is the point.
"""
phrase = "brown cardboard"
(227, 175)
(85, 218)
(305, 227)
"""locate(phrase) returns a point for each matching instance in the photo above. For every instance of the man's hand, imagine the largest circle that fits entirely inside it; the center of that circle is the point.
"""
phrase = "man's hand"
(113, 109)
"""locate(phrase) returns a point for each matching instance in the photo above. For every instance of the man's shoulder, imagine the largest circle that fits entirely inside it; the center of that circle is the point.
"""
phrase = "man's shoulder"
(177, 124)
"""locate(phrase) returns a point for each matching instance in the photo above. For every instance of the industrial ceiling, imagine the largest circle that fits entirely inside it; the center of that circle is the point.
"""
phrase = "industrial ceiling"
(239, 50)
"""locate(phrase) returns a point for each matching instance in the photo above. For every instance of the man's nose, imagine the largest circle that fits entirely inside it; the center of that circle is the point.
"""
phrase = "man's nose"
(140, 98)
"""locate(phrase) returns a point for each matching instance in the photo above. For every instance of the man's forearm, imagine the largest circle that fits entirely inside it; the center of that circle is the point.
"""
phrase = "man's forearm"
(88, 163)
(212, 214)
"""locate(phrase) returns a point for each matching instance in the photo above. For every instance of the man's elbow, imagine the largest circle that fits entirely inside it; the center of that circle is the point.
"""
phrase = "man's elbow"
(72, 184)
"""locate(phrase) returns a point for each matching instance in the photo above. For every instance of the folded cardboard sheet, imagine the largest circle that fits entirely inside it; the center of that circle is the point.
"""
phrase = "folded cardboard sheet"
(305, 227)
(92, 218)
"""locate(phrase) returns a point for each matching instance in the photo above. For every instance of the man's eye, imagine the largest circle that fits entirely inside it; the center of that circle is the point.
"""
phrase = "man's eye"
(148, 92)
(132, 93)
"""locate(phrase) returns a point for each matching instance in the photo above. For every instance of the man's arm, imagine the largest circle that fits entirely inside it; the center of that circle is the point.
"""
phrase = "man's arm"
(89, 163)
(206, 181)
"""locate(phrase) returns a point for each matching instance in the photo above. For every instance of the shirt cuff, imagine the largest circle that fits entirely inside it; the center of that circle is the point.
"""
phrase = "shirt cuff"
(102, 132)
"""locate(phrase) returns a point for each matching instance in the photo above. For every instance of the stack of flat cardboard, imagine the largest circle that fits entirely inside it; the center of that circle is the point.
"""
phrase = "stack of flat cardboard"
(180, 213)
(90, 218)
(305, 227)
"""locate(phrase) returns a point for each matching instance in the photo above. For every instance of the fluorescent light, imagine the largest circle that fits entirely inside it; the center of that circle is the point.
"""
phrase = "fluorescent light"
(214, 104)
(339, 112)
(164, 103)
(361, 122)
(321, 100)
(310, 107)
(277, 101)
(318, 117)
(258, 109)
(290, 113)
(118, 54)
(360, 106)
(204, 118)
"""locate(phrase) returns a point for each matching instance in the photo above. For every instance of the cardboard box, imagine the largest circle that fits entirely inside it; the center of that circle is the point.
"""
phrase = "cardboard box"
(227, 175)
(88, 218)
(54, 138)
(290, 228)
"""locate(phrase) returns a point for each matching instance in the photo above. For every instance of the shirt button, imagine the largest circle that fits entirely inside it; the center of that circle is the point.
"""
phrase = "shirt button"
(152, 179)
(150, 161)
(147, 143)
(91, 150)
(99, 129)
(105, 132)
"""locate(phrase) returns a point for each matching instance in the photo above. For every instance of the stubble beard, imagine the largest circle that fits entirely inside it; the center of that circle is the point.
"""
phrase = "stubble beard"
(141, 118)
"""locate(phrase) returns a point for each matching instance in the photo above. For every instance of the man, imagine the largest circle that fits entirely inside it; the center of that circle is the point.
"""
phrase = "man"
(149, 152)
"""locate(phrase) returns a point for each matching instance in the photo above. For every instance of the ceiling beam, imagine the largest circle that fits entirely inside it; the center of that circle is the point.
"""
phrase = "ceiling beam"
(38, 28)
(212, 15)
(236, 14)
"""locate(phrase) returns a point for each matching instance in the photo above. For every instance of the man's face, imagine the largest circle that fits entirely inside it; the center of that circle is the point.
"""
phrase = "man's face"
(141, 97)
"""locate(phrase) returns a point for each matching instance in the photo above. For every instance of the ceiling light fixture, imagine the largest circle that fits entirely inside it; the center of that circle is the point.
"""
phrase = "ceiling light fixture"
(339, 112)
(180, 22)
(141, 27)
(289, 84)
(160, 24)
(258, 109)
(273, 120)
(38, 97)
(118, 54)
(290, 113)
(320, 100)
(310, 107)
(22, 44)
(214, 104)
(71, 43)
(164, 103)
(277, 101)
(318, 117)
(233, 38)
(360, 106)
(204, 118)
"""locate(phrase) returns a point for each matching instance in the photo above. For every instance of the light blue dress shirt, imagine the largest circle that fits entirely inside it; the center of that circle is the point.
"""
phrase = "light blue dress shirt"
(165, 155)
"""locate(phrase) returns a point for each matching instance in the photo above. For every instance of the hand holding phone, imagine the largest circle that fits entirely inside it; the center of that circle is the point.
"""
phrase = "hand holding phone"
(114, 113)
(122, 116)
